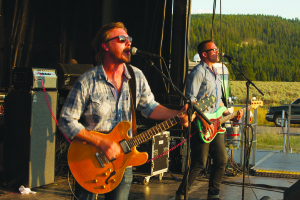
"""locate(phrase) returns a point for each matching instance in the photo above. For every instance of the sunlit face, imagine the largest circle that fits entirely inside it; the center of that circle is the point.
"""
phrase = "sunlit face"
(118, 50)
(211, 52)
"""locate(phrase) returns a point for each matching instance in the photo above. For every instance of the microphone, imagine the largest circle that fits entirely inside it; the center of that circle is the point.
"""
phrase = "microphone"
(135, 51)
(228, 57)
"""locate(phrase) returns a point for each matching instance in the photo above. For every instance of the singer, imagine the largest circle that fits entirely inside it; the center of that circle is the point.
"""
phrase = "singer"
(100, 100)
(202, 80)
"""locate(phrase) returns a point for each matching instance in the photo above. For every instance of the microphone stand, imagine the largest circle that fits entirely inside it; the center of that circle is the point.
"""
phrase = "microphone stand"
(246, 135)
(190, 112)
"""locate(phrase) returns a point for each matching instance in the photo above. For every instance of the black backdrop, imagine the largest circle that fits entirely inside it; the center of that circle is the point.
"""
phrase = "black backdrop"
(35, 33)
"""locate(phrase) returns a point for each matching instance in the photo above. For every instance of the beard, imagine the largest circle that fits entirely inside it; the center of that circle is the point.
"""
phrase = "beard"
(123, 57)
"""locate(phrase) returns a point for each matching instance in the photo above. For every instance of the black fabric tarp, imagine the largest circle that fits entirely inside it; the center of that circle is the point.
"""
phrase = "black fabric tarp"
(36, 33)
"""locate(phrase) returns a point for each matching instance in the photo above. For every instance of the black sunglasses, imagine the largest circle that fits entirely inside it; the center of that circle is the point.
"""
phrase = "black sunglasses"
(122, 38)
(215, 50)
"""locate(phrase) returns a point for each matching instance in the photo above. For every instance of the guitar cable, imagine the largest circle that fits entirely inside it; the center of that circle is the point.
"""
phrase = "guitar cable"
(54, 118)
(168, 151)
(49, 106)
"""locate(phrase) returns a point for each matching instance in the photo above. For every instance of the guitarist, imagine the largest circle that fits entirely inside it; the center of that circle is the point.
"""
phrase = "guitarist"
(100, 99)
(204, 80)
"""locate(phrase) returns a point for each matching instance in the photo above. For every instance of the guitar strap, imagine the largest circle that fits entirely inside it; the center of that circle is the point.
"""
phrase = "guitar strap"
(132, 89)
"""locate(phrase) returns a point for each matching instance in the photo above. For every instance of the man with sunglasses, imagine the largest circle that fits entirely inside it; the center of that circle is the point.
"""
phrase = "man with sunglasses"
(100, 99)
(204, 80)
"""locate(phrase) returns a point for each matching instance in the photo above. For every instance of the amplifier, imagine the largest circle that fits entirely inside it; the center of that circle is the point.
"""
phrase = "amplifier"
(69, 73)
(32, 78)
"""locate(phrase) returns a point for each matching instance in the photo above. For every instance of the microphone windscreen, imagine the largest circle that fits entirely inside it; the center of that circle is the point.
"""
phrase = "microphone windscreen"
(133, 50)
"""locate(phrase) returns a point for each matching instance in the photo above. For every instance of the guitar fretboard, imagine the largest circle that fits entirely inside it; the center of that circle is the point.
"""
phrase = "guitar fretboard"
(146, 135)
(232, 115)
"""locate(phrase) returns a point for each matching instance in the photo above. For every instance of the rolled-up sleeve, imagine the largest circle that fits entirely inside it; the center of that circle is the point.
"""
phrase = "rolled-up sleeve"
(193, 84)
(71, 112)
(145, 98)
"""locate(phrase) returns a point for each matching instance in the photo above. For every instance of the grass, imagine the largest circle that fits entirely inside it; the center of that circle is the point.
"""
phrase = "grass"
(275, 93)
(270, 141)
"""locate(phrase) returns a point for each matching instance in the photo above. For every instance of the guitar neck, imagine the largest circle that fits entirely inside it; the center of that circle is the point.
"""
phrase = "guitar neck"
(232, 115)
(146, 135)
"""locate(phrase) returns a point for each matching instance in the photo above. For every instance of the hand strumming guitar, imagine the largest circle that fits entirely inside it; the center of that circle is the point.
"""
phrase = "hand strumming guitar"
(110, 148)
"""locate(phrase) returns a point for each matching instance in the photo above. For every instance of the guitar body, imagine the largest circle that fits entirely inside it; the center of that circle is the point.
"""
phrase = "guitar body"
(217, 119)
(214, 118)
(97, 178)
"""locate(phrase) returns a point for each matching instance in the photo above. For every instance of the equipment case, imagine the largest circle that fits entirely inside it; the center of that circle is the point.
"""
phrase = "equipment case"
(154, 147)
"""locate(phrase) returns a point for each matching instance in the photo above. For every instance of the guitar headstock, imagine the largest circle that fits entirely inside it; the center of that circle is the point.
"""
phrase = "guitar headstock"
(203, 104)
(255, 104)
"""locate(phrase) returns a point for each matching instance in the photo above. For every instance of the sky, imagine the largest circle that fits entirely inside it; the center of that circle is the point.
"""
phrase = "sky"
(288, 9)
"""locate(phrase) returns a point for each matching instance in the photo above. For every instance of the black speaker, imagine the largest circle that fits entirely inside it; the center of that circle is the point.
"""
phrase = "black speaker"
(69, 73)
(29, 138)
(293, 192)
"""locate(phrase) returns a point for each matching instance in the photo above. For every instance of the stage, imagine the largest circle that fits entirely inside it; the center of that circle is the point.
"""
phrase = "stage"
(271, 183)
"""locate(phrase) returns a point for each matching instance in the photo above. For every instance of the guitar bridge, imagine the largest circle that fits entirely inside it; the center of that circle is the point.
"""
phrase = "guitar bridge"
(125, 147)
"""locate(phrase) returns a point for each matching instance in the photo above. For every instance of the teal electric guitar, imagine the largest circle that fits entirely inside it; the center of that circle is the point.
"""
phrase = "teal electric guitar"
(217, 119)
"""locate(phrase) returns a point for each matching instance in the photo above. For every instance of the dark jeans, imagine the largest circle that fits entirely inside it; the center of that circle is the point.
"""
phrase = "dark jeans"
(199, 153)
(121, 192)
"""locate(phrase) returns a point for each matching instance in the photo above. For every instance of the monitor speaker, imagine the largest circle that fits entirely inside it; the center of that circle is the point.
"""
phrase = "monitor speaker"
(29, 138)
(293, 192)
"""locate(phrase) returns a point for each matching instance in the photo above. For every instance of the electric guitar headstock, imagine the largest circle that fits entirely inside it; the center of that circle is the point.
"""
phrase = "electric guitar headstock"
(205, 103)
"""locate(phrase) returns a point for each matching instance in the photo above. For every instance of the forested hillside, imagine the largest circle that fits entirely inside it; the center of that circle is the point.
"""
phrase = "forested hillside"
(267, 47)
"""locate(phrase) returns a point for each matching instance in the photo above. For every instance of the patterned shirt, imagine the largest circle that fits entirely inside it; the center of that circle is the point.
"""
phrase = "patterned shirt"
(202, 81)
(94, 103)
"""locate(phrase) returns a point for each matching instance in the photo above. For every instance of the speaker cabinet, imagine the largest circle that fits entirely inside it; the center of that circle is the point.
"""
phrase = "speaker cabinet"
(293, 192)
(29, 138)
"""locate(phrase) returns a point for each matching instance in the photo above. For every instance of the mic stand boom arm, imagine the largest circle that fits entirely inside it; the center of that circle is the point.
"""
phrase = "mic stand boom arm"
(181, 94)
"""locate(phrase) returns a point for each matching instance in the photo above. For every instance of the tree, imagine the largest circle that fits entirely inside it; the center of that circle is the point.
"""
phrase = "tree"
(269, 44)
(247, 70)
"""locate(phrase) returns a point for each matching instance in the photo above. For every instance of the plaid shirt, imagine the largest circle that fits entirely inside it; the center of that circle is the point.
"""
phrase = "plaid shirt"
(201, 81)
(94, 103)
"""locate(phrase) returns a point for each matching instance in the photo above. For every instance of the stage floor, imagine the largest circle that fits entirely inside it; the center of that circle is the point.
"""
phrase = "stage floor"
(232, 188)
(250, 187)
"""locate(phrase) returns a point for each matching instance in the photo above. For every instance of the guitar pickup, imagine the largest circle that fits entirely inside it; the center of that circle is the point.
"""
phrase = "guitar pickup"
(99, 159)
(125, 147)
(104, 158)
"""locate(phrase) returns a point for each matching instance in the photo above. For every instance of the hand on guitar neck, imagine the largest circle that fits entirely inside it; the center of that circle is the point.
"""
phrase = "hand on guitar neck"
(183, 117)
(237, 117)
